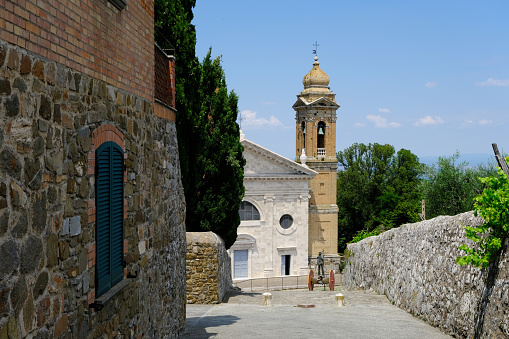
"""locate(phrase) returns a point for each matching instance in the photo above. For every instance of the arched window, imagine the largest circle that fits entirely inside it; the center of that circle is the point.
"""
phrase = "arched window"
(303, 128)
(110, 216)
(248, 211)
(321, 135)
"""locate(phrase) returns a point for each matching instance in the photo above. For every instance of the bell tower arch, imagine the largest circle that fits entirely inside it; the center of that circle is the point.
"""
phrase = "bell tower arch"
(315, 115)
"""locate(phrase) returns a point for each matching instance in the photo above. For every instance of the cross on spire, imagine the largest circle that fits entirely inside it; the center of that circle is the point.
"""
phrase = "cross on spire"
(240, 120)
(316, 48)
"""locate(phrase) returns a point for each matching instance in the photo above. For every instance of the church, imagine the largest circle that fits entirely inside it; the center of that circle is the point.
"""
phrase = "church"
(289, 212)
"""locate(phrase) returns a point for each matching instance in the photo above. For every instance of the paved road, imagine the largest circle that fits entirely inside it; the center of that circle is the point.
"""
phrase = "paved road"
(366, 315)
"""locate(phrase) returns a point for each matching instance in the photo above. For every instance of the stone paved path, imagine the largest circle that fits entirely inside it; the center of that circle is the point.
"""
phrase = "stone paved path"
(366, 315)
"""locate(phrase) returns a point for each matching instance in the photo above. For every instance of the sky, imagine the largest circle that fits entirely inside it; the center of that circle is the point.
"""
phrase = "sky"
(428, 76)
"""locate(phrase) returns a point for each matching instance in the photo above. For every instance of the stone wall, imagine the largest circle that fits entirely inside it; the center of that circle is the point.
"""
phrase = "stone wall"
(414, 266)
(51, 119)
(208, 268)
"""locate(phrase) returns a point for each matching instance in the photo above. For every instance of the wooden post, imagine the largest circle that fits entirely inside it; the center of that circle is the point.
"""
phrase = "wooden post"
(500, 160)
(423, 210)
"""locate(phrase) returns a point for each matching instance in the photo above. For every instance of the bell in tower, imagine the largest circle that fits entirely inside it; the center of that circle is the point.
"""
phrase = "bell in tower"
(315, 115)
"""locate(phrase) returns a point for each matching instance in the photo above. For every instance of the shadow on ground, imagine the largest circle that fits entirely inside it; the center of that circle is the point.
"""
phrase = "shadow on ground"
(194, 330)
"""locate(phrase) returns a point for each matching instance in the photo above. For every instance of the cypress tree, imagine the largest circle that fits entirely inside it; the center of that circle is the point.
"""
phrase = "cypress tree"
(211, 158)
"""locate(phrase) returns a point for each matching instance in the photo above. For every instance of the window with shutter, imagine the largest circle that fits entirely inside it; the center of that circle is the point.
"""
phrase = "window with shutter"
(110, 216)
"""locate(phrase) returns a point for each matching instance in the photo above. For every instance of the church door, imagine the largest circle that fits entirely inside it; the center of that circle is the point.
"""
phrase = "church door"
(240, 264)
(285, 264)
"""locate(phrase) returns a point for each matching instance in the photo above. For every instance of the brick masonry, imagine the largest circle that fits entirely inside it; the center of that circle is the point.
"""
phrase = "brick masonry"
(415, 267)
(88, 36)
(52, 118)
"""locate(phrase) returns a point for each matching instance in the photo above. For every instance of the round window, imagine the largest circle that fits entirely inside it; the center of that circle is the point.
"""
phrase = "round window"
(286, 221)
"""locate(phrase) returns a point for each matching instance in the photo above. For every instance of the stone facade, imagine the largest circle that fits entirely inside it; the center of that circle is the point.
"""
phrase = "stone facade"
(56, 108)
(415, 267)
(275, 186)
(208, 268)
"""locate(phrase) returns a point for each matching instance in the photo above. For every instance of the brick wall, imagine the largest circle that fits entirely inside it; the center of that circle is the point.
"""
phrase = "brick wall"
(89, 36)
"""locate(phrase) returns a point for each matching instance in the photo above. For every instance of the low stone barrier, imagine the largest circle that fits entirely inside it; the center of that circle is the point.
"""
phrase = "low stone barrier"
(415, 267)
(208, 268)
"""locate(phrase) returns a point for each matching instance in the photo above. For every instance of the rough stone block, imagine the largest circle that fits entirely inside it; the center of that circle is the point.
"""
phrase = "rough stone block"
(60, 326)
(40, 284)
(13, 61)
(75, 227)
(66, 227)
(3, 54)
(31, 253)
(26, 65)
(20, 84)
(5, 87)
(12, 105)
(9, 257)
(38, 70)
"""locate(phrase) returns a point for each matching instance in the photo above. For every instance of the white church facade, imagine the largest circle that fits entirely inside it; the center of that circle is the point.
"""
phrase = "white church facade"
(272, 237)
(289, 210)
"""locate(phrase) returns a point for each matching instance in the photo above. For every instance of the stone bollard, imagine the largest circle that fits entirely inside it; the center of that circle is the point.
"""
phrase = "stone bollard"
(340, 300)
(267, 298)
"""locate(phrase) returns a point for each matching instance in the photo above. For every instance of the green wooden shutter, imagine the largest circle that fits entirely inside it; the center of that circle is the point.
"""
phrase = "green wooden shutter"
(109, 216)
(117, 215)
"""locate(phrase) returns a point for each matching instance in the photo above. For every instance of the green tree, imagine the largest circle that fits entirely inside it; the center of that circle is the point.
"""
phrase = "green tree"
(449, 187)
(209, 138)
(216, 195)
(376, 189)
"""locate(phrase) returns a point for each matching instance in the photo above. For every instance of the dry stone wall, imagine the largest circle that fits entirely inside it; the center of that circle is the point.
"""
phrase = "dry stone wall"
(414, 266)
(208, 268)
(49, 115)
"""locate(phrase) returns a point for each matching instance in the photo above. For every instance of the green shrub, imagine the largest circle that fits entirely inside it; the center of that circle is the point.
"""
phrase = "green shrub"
(363, 235)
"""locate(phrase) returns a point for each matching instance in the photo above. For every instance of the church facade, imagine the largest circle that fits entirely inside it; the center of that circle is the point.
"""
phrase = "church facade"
(289, 211)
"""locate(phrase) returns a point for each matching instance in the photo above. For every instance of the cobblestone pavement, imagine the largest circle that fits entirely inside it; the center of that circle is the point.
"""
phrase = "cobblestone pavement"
(305, 314)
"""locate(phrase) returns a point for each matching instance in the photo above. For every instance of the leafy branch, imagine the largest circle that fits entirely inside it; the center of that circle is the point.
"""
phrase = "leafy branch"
(493, 206)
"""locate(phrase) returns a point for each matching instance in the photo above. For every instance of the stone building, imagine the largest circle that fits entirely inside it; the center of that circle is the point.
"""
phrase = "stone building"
(92, 212)
(272, 238)
(289, 212)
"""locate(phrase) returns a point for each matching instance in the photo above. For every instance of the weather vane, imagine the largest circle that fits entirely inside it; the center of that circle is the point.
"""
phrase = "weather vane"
(316, 48)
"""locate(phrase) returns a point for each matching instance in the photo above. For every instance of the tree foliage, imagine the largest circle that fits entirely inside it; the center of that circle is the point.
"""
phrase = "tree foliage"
(210, 152)
(376, 189)
(493, 206)
(449, 187)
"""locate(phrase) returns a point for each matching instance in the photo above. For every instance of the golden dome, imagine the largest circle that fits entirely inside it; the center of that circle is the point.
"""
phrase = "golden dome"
(316, 77)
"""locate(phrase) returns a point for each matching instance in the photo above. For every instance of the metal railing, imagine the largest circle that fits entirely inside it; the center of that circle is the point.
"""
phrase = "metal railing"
(164, 70)
(279, 283)
(273, 283)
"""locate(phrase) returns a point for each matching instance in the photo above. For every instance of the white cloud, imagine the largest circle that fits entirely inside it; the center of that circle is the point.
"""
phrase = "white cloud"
(472, 123)
(431, 84)
(428, 120)
(381, 122)
(467, 123)
(249, 119)
(494, 82)
(359, 124)
(384, 110)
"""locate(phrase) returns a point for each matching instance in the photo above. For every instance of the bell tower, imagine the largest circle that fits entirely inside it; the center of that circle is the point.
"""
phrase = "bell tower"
(315, 115)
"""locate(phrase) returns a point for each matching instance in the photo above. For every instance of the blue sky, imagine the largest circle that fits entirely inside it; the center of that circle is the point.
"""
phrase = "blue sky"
(428, 76)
